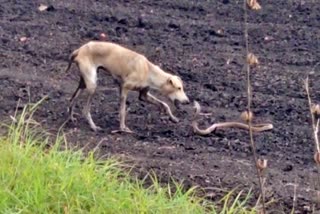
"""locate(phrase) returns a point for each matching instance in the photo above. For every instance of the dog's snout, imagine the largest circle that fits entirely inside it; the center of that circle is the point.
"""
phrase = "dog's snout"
(178, 103)
(186, 101)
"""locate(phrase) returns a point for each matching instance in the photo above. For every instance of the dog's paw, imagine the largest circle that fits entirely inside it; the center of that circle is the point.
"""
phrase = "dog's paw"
(124, 130)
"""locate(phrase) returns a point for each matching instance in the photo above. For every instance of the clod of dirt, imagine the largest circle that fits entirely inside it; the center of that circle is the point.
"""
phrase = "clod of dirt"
(225, 1)
(103, 36)
(158, 49)
(173, 25)
(268, 38)
(288, 168)
(217, 33)
(211, 149)
(123, 21)
(141, 22)
(23, 39)
(210, 86)
(51, 8)
(43, 7)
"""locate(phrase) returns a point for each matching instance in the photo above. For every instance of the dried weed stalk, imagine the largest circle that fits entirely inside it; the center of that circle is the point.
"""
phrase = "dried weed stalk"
(314, 112)
(315, 120)
(252, 60)
(247, 116)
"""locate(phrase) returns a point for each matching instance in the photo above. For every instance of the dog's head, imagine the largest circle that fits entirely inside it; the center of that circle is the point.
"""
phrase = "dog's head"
(173, 89)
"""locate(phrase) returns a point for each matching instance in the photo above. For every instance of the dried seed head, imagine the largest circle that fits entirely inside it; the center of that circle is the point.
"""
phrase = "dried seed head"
(268, 38)
(253, 5)
(317, 158)
(262, 164)
(252, 59)
(315, 109)
(246, 116)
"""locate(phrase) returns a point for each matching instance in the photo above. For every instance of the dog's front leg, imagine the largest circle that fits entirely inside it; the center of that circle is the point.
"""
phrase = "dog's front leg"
(122, 113)
(152, 99)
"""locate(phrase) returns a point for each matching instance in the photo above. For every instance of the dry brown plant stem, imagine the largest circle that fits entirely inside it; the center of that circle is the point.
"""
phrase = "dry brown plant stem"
(315, 125)
(294, 201)
(249, 97)
(315, 128)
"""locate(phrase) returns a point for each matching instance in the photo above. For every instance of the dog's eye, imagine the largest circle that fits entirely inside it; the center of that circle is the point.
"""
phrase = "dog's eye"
(179, 88)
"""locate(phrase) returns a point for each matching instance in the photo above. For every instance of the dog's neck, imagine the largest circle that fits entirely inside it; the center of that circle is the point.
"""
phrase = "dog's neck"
(157, 77)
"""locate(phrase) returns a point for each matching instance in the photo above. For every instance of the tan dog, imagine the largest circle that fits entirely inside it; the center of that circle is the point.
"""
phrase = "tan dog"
(132, 71)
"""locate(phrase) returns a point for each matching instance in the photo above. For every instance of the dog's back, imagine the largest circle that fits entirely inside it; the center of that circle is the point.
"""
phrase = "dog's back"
(98, 49)
(118, 60)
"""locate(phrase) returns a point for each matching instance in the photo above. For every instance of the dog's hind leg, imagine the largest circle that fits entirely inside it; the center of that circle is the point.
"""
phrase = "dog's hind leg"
(90, 79)
(146, 96)
(77, 92)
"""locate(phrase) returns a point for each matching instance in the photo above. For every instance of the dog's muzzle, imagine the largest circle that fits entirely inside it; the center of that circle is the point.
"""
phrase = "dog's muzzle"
(178, 103)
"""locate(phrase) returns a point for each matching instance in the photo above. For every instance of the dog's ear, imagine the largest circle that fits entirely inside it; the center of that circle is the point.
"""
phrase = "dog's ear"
(169, 81)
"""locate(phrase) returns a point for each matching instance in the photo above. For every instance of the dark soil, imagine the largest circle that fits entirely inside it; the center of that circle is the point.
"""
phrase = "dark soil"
(202, 41)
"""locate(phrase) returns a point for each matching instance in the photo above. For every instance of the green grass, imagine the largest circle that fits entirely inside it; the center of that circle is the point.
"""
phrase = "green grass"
(37, 179)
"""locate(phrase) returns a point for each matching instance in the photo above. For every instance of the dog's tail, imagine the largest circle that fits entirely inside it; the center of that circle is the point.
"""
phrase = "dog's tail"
(71, 59)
